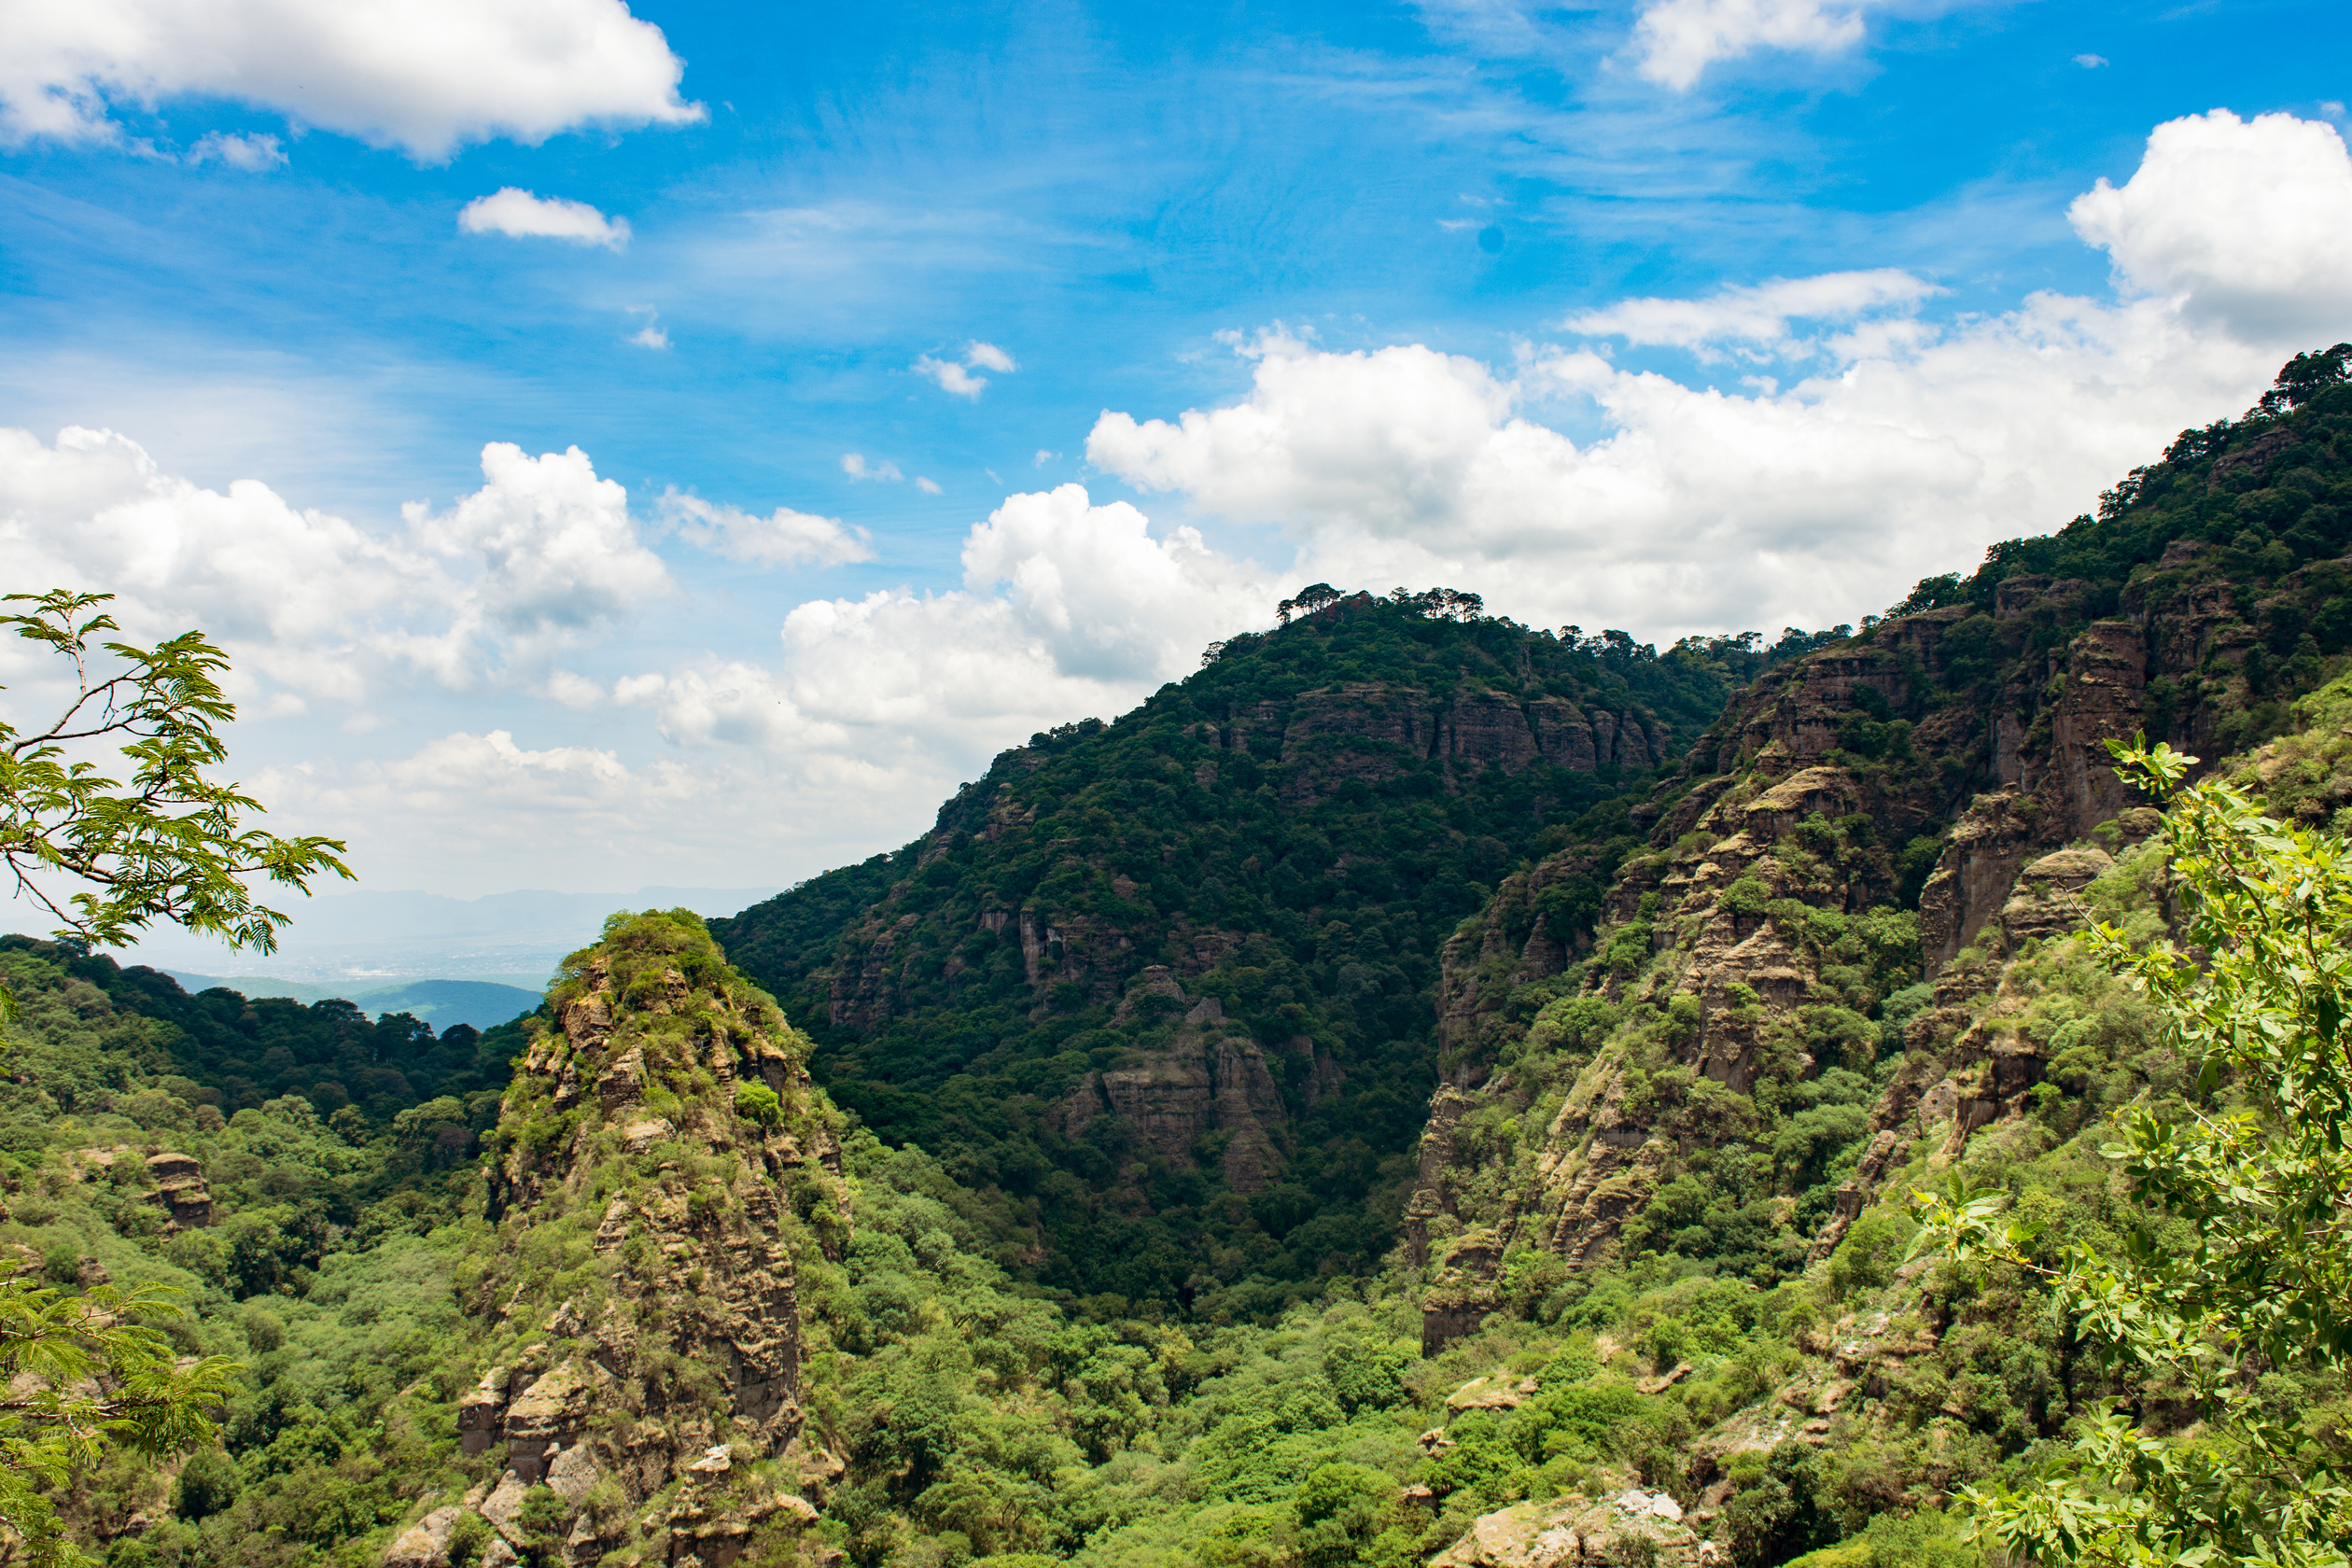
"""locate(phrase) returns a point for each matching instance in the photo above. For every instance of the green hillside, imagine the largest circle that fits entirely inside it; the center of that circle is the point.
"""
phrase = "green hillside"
(962, 989)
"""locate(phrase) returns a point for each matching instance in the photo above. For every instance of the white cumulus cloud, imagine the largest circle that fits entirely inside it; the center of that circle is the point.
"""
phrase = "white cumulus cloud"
(956, 377)
(784, 538)
(2245, 223)
(344, 636)
(857, 468)
(1678, 39)
(951, 376)
(1102, 596)
(428, 76)
(1066, 607)
(297, 595)
(524, 216)
(573, 690)
(555, 552)
(874, 707)
(544, 555)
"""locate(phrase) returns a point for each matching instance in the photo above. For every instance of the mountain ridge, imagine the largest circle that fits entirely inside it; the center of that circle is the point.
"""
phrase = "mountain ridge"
(477, 1003)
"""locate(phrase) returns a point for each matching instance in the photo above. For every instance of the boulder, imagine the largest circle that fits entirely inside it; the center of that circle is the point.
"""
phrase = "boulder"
(1577, 1532)
(573, 1472)
(425, 1543)
(550, 1412)
(503, 1507)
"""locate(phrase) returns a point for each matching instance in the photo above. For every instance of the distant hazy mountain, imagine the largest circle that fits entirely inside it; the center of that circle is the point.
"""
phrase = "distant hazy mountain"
(383, 938)
(439, 1003)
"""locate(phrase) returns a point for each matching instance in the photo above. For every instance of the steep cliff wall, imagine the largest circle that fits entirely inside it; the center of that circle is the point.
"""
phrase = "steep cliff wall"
(1320, 742)
(1807, 975)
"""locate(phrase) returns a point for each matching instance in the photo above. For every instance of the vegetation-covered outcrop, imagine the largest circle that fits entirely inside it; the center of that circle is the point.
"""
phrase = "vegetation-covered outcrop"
(1780, 996)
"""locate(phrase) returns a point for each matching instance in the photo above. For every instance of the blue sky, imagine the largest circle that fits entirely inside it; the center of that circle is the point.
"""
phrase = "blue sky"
(1513, 298)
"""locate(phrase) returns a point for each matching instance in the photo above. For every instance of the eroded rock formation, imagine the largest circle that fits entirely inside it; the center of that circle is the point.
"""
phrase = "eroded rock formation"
(181, 1189)
(647, 1363)
(1811, 794)
(1208, 1079)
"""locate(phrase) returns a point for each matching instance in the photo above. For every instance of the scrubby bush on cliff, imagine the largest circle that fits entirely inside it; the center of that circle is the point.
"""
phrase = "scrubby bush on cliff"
(2254, 1282)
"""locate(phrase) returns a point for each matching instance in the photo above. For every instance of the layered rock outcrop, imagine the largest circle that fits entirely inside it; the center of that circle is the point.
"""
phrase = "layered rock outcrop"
(1815, 791)
(1207, 1086)
(181, 1189)
(1373, 732)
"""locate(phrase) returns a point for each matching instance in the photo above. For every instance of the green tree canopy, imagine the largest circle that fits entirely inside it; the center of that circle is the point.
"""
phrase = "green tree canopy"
(79, 1370)
(171, 843)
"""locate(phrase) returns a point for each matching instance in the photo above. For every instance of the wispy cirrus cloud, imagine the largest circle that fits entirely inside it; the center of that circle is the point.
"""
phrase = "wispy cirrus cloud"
(1759, 313)
(251, 152)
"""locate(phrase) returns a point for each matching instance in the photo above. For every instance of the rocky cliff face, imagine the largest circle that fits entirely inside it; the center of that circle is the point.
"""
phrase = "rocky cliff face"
(1758, 944)
(662, 1170)
(1204, 1094)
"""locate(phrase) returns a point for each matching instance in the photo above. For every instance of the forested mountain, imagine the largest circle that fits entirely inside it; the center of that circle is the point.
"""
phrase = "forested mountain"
(1164, 985)
(1418, 1091)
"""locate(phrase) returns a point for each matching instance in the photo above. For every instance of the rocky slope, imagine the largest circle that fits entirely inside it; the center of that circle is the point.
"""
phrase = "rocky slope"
(1790, 992)
(662, 1170)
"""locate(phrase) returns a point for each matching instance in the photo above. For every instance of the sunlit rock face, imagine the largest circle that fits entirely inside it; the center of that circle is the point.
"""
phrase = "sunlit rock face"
(1981, 737)
(661, 1169)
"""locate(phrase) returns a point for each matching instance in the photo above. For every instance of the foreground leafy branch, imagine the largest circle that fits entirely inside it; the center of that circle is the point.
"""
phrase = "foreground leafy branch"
(2264, 1184)
(76, 1371)
(170, 844)
(80, 1371)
